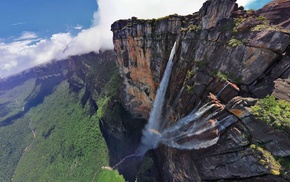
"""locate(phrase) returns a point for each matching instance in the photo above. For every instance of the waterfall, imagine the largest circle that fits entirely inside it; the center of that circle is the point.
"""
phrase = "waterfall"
(194, 131)
(151, 133)
(199, 129)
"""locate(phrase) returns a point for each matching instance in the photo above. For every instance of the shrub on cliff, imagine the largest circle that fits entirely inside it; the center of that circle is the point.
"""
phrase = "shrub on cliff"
(274, 112)
(267, 159)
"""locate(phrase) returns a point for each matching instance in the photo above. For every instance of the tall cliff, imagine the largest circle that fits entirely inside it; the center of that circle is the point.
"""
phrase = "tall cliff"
(50, 120)
(226, 54)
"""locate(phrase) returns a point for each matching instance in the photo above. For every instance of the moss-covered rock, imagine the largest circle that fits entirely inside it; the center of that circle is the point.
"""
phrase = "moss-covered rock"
(274, 112)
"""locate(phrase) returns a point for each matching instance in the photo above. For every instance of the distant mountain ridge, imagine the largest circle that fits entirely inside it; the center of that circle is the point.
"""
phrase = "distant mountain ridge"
(70, 120)
(49, 122)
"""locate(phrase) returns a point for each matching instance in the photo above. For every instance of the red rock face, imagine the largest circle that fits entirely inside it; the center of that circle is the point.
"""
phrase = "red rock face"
(140, 75)
(141, 47)
(226, 55)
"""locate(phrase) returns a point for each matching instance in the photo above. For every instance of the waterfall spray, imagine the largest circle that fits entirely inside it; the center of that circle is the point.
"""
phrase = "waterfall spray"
(194, 131)
(198, 129)
(151, 133)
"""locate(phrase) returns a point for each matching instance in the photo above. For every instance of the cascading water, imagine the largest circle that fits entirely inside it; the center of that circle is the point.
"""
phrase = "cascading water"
(151, 135)
(194, 131)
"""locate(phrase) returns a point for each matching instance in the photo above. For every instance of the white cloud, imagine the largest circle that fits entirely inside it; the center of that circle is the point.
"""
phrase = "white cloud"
(18, 23)
(28, 50)
(26, 35)
(244, 2)
(78, 27)
(112, 9)
(20, 55)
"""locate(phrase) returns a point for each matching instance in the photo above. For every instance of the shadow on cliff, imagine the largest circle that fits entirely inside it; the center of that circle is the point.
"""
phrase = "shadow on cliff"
(42, 89)
(123, 140)
(14, 81)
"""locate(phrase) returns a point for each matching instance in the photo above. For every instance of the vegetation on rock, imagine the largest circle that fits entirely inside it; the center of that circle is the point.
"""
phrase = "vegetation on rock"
(265, 25)
(274, 112)
(267, 159)
(237, 22)
(235, 45)
(235, 42)
(191, 28)
(190, 89)
(110, 91)
(226, 76)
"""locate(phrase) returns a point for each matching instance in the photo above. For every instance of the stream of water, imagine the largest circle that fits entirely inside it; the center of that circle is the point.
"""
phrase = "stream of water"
(196, 130)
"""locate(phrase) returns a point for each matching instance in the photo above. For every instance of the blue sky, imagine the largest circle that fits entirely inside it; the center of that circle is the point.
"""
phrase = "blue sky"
(256, 4)
(34, 32)
(45, 17)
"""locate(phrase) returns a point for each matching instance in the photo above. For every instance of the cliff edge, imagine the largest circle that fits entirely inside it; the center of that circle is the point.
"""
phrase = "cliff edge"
(238, 58)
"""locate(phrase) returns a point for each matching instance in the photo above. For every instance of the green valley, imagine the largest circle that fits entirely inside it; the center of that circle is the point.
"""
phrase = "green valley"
(50, 131)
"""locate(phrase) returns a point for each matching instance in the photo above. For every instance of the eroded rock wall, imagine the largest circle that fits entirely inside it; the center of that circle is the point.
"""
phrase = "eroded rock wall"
(238, 56)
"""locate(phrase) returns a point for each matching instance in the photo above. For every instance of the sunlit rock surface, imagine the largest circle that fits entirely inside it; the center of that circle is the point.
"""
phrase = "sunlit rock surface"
(225, 52)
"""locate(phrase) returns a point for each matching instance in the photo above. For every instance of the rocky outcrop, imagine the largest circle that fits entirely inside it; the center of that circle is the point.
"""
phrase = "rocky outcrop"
(89, 72)
(213, 11)
(237, 55)
(143, 48)
(277, 13)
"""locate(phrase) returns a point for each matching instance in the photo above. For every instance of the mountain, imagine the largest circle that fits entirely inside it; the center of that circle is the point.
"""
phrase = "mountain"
(202, 97)
(234, 59)
(49, 126)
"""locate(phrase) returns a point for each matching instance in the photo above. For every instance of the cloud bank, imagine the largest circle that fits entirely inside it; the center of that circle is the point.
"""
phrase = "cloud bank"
(29, 50)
